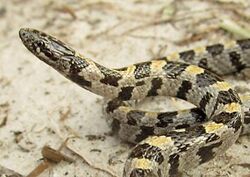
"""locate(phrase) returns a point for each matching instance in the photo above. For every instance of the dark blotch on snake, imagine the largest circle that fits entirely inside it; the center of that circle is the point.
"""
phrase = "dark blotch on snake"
(138, 172)
(166, 118)
(198, 114)
(182, 147)
(135, 115)
(215, 50)
(80, 81)
(77, 64)
(195, 130)
(159, 173)
(114, 104)
(226, 117)
(147, 151)
(142, 70)
(174, 69)
(212, 137)
(145, 132)
(226, 97)
(206, 153)
(206, 79)
(247, 117)
(203, 63)
(174, 164)
(126, 93)
(187, 55)
(235, 60)
(244, 44)
(205, 100)
(111, 77)
(181, 126)
(156, 84)
(115, 125)
(183, 90)
(140, 83)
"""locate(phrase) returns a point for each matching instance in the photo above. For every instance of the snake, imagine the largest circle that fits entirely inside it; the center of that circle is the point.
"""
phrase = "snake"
(166, 143)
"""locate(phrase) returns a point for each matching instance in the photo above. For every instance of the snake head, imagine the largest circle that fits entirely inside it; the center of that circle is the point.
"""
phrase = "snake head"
(48, 49)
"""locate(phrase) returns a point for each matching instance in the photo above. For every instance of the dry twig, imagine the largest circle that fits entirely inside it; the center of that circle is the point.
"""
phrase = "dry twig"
(50, 157)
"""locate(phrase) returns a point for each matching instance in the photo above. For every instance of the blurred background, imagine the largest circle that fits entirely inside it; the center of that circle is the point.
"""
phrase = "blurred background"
(39, 107)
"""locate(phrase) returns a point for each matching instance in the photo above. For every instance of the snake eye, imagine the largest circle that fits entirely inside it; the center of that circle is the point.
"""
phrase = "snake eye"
(40, 44)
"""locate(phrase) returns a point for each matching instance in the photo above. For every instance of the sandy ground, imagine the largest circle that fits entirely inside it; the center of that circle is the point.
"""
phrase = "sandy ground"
(39, 107)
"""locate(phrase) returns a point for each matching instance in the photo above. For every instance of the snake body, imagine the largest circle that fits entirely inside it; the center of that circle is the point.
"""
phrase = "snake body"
(167, 142)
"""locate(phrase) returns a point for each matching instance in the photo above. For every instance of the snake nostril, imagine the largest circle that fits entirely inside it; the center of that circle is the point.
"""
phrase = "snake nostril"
(23, 34)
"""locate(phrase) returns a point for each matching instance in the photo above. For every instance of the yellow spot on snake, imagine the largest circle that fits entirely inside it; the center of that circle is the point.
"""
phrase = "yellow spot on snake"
(173, 57)
(211, 127)
(78, 55)
(222, 86)
(192, 69)
(159, 141)
(233, 107)
(229, 44)
(142, 163)
(200, 50)
(130, 70)
(151, 114)
(157, 65)
(125, 109)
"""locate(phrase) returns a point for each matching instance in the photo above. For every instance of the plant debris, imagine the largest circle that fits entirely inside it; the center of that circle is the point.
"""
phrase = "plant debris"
(234, 28)
(4, 110)
(50, 157)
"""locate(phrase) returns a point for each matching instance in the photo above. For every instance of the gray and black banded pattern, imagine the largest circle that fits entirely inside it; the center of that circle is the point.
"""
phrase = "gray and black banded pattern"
(208, 77)
(215, 50)
(77, 64)
(235, 58)
(244, 44)
(183, 90)
(173, 70)
(165, 139)
(126, 93)
(166, 118)
(110, 77)
(187, 55)
(149, 152)
(156, 84)
(142, 70)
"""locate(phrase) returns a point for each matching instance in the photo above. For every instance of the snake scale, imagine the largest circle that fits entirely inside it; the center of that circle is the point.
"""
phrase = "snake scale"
(167, 143)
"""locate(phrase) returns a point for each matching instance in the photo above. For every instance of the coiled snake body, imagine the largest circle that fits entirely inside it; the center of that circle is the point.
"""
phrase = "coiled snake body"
(168, 142)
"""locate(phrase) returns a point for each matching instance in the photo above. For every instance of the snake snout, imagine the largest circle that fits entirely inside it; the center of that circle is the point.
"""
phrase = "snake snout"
(30, 38)
(23, 33)
(28, 35)
(36, 42)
